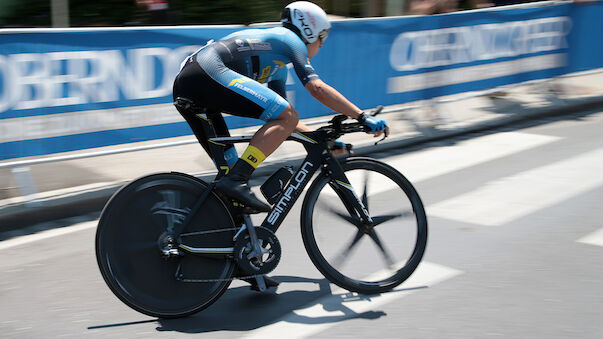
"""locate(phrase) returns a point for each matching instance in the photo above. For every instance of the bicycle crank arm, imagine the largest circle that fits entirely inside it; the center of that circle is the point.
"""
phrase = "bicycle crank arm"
(255, 244)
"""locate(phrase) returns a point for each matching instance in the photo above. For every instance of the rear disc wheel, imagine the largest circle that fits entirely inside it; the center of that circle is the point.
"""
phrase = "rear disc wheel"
(132, 233)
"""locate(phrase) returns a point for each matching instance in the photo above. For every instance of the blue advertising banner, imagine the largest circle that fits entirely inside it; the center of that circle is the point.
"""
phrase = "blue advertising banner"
(84, 88)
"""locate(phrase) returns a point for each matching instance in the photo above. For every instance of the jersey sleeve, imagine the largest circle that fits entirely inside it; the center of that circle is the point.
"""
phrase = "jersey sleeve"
(298, 54)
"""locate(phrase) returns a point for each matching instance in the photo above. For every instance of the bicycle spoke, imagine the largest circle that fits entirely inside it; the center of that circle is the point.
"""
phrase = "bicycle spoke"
(386, 255)
(352, 220)
(365, 192)
(385, 218)
(343, 255)
(394, 250)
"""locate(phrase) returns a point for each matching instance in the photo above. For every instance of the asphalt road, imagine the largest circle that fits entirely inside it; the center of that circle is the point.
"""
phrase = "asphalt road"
(514, 250)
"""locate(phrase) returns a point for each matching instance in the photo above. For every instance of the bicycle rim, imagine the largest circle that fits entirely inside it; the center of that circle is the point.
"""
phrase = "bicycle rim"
(365, 260)
(128, 254)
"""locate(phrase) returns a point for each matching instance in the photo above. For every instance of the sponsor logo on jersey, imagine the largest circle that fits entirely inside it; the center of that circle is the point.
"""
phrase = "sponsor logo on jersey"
(265, 74)
(259, 45)
(250, 91)
(279, 65)
(238, 81)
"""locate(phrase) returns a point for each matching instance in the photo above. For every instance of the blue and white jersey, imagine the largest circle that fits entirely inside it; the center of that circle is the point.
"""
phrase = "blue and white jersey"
(262, 54)
(242, 61)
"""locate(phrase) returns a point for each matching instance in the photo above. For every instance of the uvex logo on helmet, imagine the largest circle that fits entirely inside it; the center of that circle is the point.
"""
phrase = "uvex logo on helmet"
(312, 20)
(299, 15)
(307, 20)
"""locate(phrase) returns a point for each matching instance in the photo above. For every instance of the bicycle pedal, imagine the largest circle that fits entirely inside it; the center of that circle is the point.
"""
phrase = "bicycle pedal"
(261, 284)
(268, 282)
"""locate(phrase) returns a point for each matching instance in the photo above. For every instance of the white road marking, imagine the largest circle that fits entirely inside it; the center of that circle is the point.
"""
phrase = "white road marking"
(47, 234)
(509, 198)
(438, 161)
(442, 160)
(415, 166)
(331, 310)
(595, 238)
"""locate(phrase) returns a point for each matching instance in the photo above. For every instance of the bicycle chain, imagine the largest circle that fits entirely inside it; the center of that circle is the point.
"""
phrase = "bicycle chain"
(211, 280)
(215, 280)
(212, 231)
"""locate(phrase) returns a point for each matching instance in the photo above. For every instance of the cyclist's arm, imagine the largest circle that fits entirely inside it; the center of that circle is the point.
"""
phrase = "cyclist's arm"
(331, 98)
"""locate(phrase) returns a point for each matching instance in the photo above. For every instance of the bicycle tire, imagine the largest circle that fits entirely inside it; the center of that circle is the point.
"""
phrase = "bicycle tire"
(128, 253)
(318, 255)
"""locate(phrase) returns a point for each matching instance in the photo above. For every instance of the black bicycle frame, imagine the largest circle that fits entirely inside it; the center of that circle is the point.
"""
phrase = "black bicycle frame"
(316, 145)
(318, 157)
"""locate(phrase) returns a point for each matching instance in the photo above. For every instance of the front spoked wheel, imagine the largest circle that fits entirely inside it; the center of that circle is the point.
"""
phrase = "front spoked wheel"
(365, 258)
(131, 241)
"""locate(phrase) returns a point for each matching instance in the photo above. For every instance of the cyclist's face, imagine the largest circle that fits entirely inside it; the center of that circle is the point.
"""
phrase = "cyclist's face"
(314, 47)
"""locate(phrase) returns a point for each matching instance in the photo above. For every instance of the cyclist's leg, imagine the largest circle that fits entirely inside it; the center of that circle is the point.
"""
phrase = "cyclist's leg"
(185, 86)
(199, 86)
(239, 95)
(262, 144)
(230, 152)
(270, 136)
(221, 89)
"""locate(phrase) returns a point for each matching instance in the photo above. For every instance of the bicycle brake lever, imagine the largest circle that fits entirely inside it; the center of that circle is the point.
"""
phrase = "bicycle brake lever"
(338, 119)
(378, 141)
(376, 111)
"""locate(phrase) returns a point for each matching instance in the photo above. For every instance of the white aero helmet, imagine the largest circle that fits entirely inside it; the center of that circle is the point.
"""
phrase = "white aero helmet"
(306, 19)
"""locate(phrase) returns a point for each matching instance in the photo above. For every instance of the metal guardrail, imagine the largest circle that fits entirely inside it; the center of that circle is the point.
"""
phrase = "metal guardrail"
(21, 163)
(431, 102)
(26, 186)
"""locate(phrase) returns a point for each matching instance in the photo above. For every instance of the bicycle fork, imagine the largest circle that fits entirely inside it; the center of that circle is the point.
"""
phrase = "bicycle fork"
(346, 192)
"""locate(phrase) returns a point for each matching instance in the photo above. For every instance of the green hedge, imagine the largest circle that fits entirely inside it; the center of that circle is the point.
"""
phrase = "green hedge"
(36, 13)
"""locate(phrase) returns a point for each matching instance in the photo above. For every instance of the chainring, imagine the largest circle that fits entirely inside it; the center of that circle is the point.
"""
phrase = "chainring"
(271, 249)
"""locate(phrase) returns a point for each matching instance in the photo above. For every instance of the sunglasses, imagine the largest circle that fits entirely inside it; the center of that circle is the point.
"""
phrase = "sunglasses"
(323, 35)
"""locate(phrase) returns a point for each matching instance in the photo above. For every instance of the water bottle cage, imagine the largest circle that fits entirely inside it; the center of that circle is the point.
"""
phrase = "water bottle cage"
(274, 185)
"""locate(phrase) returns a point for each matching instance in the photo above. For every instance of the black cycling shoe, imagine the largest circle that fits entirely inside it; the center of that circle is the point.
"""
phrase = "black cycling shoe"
(243, 209)
(267, 280)
(238, 189)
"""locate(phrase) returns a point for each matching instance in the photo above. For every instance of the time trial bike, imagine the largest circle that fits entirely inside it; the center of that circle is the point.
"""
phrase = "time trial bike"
(168, 245)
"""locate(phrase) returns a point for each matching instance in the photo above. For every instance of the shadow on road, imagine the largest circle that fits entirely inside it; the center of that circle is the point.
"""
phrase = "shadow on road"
(241, 309)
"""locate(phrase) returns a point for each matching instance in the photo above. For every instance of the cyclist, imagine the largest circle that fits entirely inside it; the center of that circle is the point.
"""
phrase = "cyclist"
(227, 76)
